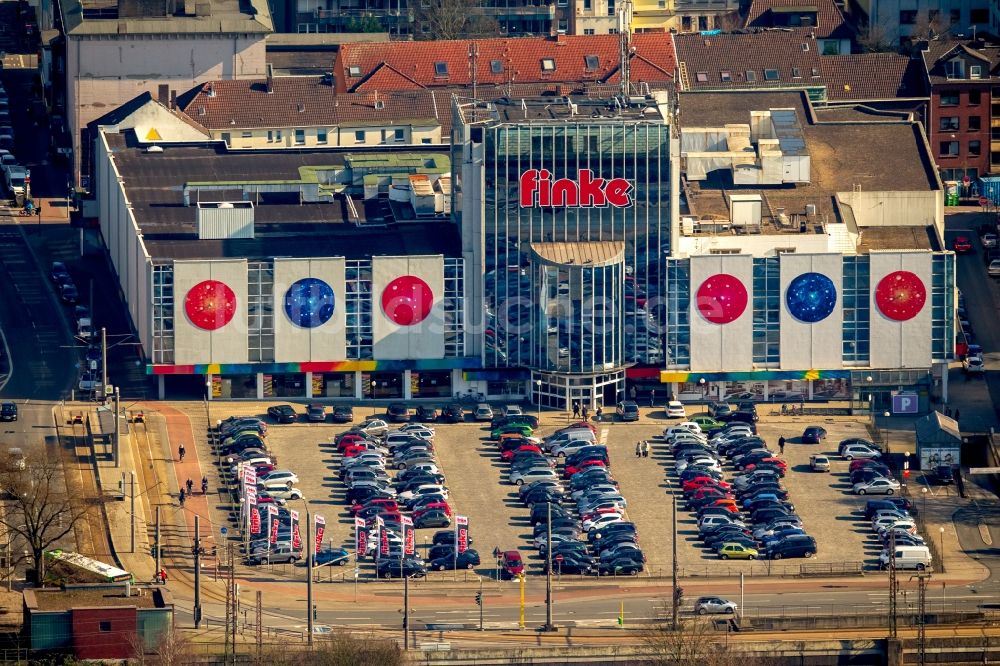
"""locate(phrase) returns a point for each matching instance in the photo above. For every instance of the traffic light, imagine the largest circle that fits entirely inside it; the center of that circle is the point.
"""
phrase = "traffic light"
(479, 598)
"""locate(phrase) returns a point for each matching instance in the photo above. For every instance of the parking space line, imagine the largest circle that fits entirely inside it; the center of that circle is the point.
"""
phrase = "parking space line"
(602, 437)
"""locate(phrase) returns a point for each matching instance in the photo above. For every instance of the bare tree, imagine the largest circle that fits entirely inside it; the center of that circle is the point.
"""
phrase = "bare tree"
(172, 649)
(38, 507)
(341, 650)
(696, 643)
(928, 27)
(728, 22)
(878, 38)
(452, 19)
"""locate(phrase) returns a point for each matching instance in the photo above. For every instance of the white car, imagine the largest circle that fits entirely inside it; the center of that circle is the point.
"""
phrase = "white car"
(519, 478)
(418, 427)
(974, 365)
(395, 542)
(602, 520)
(426, 489)
(483, 412)
(904, 525)
(701, 461)
(675, 410)
(569, 448)
(988, 240)
(683, 429)
(251, 462)
(690, 425)
(374, 426)
(365, 460)
(281, 491)
(283, 476)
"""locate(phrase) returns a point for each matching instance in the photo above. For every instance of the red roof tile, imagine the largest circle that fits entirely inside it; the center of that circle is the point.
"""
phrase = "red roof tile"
(829, 19)
(577, 58)
(706, 58)
(872, 76)
(387, 77)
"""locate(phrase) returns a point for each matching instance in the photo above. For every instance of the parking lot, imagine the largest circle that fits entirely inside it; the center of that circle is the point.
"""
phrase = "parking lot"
(477, 481)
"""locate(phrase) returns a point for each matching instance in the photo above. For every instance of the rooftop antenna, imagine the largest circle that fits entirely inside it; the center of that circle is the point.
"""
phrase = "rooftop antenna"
(524, 107)
(474, 66)
(625, 45)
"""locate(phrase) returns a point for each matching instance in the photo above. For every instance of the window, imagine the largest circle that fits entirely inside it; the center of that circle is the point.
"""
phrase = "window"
(548, 65)
(766, 311)
(814, 72)
(592, 62)
(246, 135)
(751, 76)
(440, 69)
(661, 4)
(277, 135)
(588, 5)
(359, 136)
(163, 314)
(949, 99)
(975, 148)
(496, 66)
(976, 72)
(104, 625)
(321, 136)
(588, 31)
(979, 17)
(300, 137)
(975, 123)
(726, 76)
(260, 311)
(949, 123)
(612, 12)
(354, 70)
(425, 141)
(955, 69)
(399, 135)
(856, 309)
(831, 47)
(563, 26)
(805, 46)
(563, 3)
(908, 17)
(796, 73)
(701, 77)
(771, 75)
(974, 97)
(942, 306)
(270, 136)
(949, 149)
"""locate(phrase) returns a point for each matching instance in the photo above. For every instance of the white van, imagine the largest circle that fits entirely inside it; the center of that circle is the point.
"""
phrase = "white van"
(567, 436)
(907, 557)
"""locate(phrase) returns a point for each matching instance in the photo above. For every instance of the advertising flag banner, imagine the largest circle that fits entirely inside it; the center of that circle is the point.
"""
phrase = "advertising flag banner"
(254, 521)
(384, 538)
(250, 476)
(274, 532)
(461, 533)
(360, 536)
(251, 495)
(320, 528)
(296, 539)
(409, 545)
(272, 523)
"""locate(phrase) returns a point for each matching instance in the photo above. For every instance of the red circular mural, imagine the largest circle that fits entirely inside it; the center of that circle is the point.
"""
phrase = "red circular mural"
(722, 298)
(210, 305)
(900, 295)
(407, 300)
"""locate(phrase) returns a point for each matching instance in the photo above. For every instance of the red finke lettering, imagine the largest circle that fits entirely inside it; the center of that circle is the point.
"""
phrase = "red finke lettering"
(537, 188)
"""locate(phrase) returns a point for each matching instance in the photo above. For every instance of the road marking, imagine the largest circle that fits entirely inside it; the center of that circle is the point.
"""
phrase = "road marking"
(602, 438)
(10, 361)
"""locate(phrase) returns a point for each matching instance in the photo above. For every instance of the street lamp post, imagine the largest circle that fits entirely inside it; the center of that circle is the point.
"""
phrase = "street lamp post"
(923, 501)
(886, 415)
(538, 397)
(941, 548)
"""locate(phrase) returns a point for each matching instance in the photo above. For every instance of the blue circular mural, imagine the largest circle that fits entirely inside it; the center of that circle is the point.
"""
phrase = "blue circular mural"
(309, 303)
(811, 297)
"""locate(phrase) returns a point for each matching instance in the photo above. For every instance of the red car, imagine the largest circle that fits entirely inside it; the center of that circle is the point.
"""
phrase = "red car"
(388, 503)
(352, 450)
(706, 491)
(573, 469)
(699, 481)
(443, 506)
(508, 455)
(511, 564)
(862, 463)
(962, 244)
(597, 512)
(773, 462)
(347, 440)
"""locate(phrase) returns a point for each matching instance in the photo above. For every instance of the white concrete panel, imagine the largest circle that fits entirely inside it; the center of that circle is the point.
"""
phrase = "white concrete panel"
(901, 344)
(329, 341)
(424, 339)
(819, 345)
(291, 342)
(716, 347)
(227, 344)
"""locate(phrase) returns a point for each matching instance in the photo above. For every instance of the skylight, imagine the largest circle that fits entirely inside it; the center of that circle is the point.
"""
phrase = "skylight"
(726, 76)
(496, 66)
(440, 69)
(771, 75)
(548, 65)
(751, 76)
(701, 77)
(592, 61)
(354, 70)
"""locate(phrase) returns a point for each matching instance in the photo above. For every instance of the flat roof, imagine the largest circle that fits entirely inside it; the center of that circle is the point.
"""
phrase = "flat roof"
(559, 109)
(155, 184)
(56, 599)
(124, 18)
(897, 238)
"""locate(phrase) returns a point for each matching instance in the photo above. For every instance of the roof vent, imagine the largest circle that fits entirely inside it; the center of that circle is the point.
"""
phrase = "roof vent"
(201, 110)
(379, 105)
(270, 78)
(301, 107)
(211, 90)
(155, 149)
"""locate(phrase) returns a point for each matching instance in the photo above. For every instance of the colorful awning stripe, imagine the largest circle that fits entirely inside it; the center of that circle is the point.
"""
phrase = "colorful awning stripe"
(668, 376)
(316, 366)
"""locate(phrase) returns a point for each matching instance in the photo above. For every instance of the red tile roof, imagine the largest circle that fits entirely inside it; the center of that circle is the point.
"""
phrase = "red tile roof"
(706, 57)
(872, 76)
(829, 19)
(502, 60)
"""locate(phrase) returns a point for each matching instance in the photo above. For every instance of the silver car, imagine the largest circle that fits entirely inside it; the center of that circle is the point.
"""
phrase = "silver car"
(519, 478)
(483, 412)
(715, 606)
(878, 486)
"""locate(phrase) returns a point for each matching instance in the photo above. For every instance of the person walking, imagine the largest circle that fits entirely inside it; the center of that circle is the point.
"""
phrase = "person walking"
(182, 497)
(645, 449)
(204, 485)
(190, 486)
(586, 412)
(638, 449)
(652, 397)
(162, 576)
(576, 410)
(781, 444)
(631, 392)
(600, 414)
(180, 452)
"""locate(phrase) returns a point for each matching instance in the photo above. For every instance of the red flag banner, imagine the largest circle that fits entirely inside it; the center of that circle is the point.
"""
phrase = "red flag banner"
(409, 545)
(272, 522)
(296, 539)
(254, 521)
(360, 537)
(462, 533)
(384, 534)
(320, 528)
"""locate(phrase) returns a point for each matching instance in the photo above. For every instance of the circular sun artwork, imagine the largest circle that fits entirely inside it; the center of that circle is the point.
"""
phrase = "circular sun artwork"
(811, 297)
(722, 298)
(309, 302)
(900, 295)
(407, 300)
(210, 305)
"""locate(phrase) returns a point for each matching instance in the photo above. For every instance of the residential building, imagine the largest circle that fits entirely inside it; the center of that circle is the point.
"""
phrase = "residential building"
(116, 52)
(97, 622)
(310, 54)
(897, 22)
(305, 112)
(552, 61)
(822, 17)
(963, 114)
(594, 17)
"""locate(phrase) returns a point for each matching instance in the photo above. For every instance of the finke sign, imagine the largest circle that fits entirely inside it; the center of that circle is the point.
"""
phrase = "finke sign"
(538, 189)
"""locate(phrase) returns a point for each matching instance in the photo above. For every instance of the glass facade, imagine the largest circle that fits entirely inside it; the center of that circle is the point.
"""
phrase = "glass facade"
(678, 324)
(163, 313)
(260, 311)
(857, 310)
(358, 281)
(943, 307)
(635, 150)
(767, 312)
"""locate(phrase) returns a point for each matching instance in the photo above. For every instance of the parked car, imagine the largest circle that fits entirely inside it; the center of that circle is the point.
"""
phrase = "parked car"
(483, 412)
(627, 410)
(397, 412)
(8, 411)
(332, 556)
(342, 414)
(675, 410)
(453, 413)
(282, 413)
(961, 245)
(511, 564)
(714, 606)
(736, 551)
(408, 567)
(943, 474)
(880, 486)
(315, 412)
(466, 560)
(797, 545)
(853, 451)
(818, 463)
(813, 435)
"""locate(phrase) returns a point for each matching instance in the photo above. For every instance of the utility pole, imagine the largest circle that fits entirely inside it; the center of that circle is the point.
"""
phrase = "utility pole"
(675, 604)
(481, 603)
(520, 620)
(229, 604)
(548, 569)
(893, 586)
(259, 628)
(117, 433)
(197, 570)
(406, 608)
(132, 480)
(922, 618)
(104, 360)
(156, 539)
(310, 550)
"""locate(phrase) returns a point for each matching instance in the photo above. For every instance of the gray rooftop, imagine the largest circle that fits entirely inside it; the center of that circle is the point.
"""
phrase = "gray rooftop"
(165, 17)
(559, 109)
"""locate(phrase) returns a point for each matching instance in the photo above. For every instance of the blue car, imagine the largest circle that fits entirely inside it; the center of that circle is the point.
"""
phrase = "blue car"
(780, 536)
(332, 556)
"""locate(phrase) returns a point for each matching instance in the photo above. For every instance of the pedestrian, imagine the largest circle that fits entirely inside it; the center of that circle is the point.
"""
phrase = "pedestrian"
(576, 409)
(600, 414)
(645, 449)
(180, 452)
(631, 392)
(585, 412)
(802, 407)
(182, 497)
(204, 485)
(638, 449)
(190, 485)
(652, 397)
(947, 412)
(162, 576)
(781, 444)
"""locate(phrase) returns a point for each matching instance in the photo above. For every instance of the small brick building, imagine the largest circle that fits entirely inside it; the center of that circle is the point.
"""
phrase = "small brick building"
(97, 621)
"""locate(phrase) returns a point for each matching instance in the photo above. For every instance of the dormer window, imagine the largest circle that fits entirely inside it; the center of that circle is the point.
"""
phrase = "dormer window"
(701, 77)
(354, 70)
(496, 66)
(771, 75)
(751, 76)
(726, 76)
(548, 65)
(796, 73)
(440, 69)
(955, 69)
(976, 72)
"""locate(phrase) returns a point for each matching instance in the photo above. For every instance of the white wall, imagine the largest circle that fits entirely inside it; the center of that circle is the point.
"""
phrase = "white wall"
(757, 245)
(808, 346)
(901, 344)
(152, 118)
(227, 344)
(422, 340)
(717, 347)
(326, 342)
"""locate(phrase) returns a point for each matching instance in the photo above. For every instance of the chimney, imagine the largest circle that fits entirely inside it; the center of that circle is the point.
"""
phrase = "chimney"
(163, 94)
(210, 91)
(173, 99)
(270, 78)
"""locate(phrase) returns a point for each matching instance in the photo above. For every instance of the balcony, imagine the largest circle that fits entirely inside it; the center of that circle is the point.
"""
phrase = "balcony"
(706, 5)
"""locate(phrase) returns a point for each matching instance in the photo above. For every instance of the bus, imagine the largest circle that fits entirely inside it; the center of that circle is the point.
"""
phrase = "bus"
(83, 569)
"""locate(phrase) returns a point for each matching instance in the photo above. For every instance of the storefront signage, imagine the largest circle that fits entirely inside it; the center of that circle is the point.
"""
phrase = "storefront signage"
(905, 403)
(538, 189)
